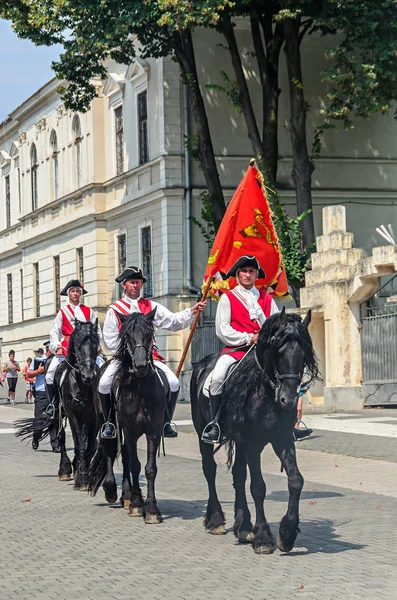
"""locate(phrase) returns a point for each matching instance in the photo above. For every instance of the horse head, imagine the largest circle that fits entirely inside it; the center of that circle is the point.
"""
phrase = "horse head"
(284, 351)
(136, 341)
(83, 350)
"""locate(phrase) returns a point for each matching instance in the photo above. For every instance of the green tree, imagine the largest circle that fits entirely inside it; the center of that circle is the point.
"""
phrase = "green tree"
(94, 30)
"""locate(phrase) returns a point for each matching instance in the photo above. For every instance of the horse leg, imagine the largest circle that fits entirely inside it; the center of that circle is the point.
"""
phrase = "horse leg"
(136, 504)
(109, 483)
(214, 520)
(90, 444)
(152, 513)
(65, 466)
(289, 525)
(125, 498)
(263, 542)
(242, 527)
(81, 475)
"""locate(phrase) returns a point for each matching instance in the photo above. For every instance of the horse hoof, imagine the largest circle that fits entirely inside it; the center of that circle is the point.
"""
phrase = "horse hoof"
(245, 537)
(111, 499)
(152, 519)
(136, 511)
(64, 477)
(282, 547)
(126, 504)
(263, 549)
(218, 530)
(82, 488)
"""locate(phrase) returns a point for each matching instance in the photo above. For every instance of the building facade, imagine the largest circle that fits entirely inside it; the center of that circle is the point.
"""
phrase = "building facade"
(83, 195)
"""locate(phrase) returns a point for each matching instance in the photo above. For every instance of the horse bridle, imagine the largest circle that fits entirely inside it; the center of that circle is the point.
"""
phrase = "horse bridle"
(77, 368)
(276, 383)
(148, 363)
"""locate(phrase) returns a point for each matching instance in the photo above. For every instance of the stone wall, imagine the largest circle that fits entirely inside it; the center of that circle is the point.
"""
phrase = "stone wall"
(342, 277)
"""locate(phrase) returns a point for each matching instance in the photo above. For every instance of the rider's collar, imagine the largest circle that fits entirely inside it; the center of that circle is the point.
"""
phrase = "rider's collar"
(254, 290)
(131, 300)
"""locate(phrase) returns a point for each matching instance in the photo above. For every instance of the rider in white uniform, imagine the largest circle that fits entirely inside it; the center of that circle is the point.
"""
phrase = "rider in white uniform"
(132, 280)
(62, 328)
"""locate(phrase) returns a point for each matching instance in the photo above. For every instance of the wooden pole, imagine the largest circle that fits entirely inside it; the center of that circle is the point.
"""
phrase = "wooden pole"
(194, 325)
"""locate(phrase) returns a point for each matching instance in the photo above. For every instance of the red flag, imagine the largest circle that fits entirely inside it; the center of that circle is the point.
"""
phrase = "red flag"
(247, 228)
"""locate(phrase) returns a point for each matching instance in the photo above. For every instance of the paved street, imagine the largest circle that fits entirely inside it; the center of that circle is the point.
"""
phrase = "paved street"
(59, 543)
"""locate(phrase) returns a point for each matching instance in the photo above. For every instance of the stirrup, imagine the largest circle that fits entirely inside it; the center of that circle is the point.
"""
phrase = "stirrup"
(173, 426)
(50, 411)
(210, 426)
(113, 434)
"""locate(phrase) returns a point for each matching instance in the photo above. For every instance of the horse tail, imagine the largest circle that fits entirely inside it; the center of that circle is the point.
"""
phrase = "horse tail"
(97, 469)
(27, 428)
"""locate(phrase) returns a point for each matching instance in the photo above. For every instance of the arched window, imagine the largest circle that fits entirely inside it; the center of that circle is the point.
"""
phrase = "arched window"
(34, 165)
(54, 156)
(76, 129)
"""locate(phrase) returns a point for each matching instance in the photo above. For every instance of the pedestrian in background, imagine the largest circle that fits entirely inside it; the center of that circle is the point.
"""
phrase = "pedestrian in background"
(28, 383)
(11, 370)
(40, 396)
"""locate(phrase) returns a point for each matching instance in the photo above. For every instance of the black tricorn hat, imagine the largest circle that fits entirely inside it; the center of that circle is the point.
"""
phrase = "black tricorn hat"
(246, 261)
(131, 273)
(71, 284)
(46, 344)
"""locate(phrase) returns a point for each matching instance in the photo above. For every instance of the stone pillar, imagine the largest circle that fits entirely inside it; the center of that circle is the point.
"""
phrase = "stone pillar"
(333, 266)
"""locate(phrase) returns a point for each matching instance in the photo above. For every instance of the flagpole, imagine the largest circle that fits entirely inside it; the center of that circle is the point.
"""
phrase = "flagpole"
(194, 325)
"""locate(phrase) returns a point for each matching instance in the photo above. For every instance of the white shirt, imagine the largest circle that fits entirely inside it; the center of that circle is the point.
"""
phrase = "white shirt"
(225, 332)
(164, 319)
(56, 327)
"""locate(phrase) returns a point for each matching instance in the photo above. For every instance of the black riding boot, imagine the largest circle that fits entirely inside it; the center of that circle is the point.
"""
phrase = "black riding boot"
(108, 430)
(53, 401)
(212, 432)
(169, 413)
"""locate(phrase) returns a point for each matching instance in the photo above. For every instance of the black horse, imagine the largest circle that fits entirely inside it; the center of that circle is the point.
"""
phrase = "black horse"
(260, 401)
(140, 394)
(74, 390)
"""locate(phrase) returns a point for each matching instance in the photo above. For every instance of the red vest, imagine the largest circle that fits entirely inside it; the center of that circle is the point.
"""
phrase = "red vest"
(68, 323)
(145, 306)
(240, 319)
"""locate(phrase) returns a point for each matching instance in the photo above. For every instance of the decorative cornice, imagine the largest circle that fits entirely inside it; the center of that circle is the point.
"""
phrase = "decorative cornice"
(40, 126)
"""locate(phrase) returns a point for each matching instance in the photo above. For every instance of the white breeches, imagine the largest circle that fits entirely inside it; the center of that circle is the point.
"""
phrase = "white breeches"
(219, 373)
(105, 382)
(49, 376)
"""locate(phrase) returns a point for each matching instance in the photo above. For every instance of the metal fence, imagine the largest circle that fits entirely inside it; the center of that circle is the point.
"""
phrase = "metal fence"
(204, 341)
(379, 345)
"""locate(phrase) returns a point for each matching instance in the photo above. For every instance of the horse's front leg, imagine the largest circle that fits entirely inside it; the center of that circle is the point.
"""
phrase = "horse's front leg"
(263, 542)
(81, 474)
(242, 527)
(65, 466)
(152, 513)
(214, 520)
(133, 467)
(289, 525)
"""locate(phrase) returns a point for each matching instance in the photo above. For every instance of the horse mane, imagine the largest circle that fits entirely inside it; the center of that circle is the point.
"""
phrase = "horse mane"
(91, 332)
(248, 377)
(134, 325)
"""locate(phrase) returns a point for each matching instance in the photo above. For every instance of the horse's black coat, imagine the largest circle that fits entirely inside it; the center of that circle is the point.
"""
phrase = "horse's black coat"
(140, 397)
(260, 400)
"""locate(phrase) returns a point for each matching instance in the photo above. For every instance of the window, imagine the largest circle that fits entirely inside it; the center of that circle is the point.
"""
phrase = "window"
(143, 129)
(9, 297)
(118, 126)
(19, 189)
(121, 257)
(8, 201)
(80, 264)
(21, 279)
(57, 284)
(36, 289)
(76, 129)
(146, 240)
(33, 167)
(54, 157)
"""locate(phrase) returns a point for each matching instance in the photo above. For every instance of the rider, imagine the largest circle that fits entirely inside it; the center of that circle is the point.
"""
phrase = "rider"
(62, 328)
(132, 280)
(240, 314)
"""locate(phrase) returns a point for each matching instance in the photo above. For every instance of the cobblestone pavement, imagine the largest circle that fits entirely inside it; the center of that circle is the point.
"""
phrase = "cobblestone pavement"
(60, 543)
